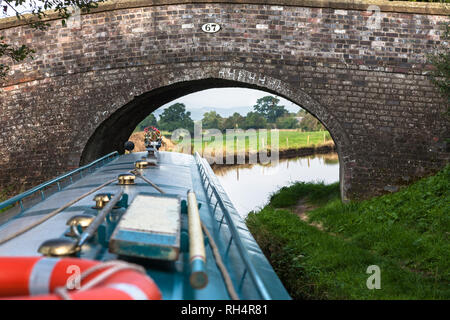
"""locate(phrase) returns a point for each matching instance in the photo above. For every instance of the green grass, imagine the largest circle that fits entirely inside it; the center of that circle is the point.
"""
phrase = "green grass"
(317, 193)
(286, 140)
(3, 197)
(404, 233)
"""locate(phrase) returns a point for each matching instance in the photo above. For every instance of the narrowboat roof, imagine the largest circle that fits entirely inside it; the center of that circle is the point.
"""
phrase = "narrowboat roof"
(176, 173)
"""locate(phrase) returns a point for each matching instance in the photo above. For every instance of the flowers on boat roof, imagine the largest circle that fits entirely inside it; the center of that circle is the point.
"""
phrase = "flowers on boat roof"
(152, 134)
(152, 129)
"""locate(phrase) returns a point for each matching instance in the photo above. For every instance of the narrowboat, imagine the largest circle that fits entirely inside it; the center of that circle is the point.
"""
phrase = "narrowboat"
(141, 225)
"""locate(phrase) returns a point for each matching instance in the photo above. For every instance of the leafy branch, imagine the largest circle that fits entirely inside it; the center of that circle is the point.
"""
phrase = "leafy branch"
(440, 76)
(36, 19)
(17, 54)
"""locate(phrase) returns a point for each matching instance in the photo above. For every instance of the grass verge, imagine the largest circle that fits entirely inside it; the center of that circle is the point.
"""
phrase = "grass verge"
(405, 234)
(287, 139)
(4, 196)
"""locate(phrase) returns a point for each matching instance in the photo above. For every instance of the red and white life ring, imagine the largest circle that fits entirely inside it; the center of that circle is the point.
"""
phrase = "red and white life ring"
(37, 278)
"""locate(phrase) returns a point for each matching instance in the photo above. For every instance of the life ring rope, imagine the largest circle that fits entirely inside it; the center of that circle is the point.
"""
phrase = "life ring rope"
(114, 267)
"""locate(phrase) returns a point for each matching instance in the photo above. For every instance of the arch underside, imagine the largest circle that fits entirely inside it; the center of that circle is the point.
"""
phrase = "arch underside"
(111, 134)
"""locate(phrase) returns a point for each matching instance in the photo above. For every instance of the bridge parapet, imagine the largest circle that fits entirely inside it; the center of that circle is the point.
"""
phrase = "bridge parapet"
(432, 8)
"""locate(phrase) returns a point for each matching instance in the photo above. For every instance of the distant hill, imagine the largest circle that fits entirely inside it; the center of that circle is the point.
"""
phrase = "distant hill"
(197, 113)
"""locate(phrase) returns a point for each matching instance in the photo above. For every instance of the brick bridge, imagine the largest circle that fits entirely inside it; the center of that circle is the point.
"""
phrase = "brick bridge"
(361, 72)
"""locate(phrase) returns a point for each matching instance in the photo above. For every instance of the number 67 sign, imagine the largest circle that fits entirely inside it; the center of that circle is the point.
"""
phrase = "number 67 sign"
(210, 27)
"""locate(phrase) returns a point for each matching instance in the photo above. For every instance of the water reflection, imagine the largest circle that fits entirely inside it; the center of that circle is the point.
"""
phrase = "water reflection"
(249, 186)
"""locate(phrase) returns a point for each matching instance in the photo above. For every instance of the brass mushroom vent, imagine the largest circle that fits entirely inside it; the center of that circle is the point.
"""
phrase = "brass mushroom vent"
(141, 164)
(126, 179)
(59, 247)
(101, 200)
(82, 220)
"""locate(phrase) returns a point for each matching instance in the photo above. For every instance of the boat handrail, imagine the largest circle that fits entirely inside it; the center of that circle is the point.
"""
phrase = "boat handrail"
(258, 282)
(18, 198)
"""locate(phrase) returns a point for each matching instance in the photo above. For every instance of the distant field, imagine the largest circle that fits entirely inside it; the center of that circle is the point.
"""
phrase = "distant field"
(287, 139)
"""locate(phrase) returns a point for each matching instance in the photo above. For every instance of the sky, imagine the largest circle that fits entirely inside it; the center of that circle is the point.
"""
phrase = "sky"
(24, 8)
(7, 11)
(227, 98)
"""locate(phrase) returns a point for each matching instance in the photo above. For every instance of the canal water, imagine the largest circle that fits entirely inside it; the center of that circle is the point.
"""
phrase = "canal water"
(250, 186)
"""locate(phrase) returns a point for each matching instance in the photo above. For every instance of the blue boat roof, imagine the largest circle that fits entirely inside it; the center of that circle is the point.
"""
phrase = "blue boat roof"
(176, 173)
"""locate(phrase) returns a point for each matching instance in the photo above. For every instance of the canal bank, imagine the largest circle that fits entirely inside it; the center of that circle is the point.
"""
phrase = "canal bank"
(394, 246)
(325, 148)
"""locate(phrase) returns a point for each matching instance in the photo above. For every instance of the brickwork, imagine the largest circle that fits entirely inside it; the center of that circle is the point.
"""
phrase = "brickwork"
(363, 75)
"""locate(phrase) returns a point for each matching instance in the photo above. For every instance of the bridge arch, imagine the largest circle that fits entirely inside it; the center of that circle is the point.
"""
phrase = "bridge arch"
(130, 56)
(111, 133)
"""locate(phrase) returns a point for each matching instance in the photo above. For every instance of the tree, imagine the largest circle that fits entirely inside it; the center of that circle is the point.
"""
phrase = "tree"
(149, 121)
(212, 120)
(254, 120)
(269, 108)
(234, 121)
(310, 123)
(287, 122)
(176, 117)
(37, 21)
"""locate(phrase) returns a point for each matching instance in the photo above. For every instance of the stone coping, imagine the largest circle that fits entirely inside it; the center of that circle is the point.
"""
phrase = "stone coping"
(431, 8)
